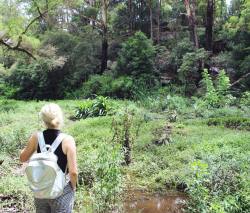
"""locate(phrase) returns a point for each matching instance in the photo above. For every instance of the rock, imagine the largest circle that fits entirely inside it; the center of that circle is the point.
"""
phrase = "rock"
(181, 186)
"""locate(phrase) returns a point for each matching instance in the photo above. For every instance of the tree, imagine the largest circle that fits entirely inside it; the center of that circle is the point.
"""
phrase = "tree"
(190, 6)
(209, 24)
(130, 16)
(8, 35)
(100, 22)
(158, 21)
(105, 5)
(136, 59)
(151, 18)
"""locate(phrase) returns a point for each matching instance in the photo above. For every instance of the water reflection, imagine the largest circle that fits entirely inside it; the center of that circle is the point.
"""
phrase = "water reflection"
(142, 202)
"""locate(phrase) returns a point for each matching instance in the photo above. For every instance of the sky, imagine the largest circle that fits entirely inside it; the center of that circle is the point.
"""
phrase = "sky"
(228, 2)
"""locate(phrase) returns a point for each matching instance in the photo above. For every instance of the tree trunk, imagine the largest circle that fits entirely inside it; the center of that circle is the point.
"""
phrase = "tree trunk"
(151, 19)
(159, 22)
(190, 8)
(49, 17)
(209, 24)
(130, 17)
(104, 50)
(104, 35)
(92, 4)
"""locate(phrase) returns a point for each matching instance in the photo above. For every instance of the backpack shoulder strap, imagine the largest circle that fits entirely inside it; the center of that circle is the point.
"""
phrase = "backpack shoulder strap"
(41, 142)
(57, 141)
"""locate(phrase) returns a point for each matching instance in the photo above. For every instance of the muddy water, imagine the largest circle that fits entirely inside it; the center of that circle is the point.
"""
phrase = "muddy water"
(142, 202)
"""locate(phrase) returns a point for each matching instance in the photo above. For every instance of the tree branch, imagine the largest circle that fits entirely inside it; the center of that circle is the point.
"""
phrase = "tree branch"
(240, 79)
(18, 49)
(20, 38)
(38, 9)
(99, 23)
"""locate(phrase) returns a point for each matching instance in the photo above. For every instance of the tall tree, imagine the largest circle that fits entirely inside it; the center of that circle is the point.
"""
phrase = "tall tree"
(104, 10)
(151, 18)
(190, 6)
(130, 16)
(158, 21)
(209, 24)
(99, 21)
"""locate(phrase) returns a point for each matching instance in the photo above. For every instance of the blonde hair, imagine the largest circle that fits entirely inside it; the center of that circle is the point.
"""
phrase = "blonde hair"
(52, 115)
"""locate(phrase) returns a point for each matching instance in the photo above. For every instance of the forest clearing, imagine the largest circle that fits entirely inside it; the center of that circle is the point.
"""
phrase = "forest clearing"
(209, 163)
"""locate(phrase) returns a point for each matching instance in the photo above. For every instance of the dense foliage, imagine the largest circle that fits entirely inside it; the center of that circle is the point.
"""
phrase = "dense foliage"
(131, 45)
(136, 59)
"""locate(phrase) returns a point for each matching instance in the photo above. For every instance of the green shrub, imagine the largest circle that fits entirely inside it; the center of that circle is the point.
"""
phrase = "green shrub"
(108, 183)
(126, 126)
(222, 84)
(230, 122)
(211, 96)
(39, 80)
(97, 85)
(100, 106)
(105, 85)
(64, 62)
(215, 188)
(188, 72)
(83, 109)
(7, 91)
(245, 99)
(136, 59)
(123, 87)
(216, 95)
(179, 50)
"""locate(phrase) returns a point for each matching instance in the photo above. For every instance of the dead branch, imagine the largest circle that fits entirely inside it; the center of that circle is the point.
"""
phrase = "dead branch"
(240, 79)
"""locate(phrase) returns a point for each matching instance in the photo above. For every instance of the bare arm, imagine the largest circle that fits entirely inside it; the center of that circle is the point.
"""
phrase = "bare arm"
(29, 149)
(69, 148)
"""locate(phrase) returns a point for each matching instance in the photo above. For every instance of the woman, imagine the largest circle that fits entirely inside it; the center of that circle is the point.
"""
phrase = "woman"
(52, 116)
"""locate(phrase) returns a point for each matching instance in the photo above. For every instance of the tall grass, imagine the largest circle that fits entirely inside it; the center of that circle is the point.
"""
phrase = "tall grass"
(210, 163)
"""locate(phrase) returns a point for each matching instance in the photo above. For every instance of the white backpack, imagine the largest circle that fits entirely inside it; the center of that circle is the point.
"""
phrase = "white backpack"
(45, 177)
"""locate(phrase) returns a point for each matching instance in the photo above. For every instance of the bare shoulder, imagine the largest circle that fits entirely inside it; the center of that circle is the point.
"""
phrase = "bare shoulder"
(34, 135)
(33, 138)
(68, 141)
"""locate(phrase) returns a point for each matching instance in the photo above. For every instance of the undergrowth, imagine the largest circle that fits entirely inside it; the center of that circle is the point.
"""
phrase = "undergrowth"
(209, 163)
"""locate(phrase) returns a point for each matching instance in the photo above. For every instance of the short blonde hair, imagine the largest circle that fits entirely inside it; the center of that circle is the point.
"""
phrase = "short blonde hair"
(52, 115)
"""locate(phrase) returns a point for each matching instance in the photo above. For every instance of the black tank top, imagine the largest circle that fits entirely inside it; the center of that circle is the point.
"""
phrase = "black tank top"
(49, 137)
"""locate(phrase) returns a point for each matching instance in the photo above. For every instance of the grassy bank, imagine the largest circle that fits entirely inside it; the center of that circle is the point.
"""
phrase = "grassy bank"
(209, 163)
